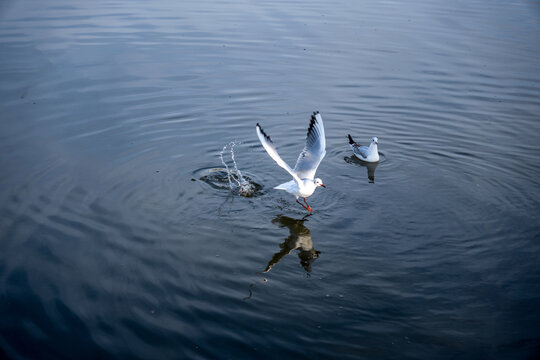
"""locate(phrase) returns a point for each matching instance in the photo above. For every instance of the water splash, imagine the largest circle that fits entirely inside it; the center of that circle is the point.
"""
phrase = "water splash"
(237, 182)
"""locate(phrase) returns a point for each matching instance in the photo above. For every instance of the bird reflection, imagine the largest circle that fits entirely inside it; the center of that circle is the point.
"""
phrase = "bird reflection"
(370, 166)
(299, 238)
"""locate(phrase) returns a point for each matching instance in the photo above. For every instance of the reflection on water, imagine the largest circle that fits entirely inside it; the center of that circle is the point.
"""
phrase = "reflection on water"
(369, 166)
(299, 238)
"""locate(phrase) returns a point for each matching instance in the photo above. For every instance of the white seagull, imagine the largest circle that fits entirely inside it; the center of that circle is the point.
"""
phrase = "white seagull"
(304, 182)
(365, 153)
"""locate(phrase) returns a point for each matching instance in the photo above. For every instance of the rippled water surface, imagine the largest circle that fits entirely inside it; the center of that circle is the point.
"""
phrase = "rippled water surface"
(120, 236)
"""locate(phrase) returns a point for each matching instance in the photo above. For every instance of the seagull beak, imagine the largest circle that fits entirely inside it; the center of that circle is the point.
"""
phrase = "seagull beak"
(323, 186)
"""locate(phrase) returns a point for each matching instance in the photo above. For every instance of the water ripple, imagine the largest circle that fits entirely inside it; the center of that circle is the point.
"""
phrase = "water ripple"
(121, 236)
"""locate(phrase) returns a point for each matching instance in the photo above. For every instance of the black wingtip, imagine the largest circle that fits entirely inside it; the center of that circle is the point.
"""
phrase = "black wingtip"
(313, 119)
(311, 127)
(311, 124)
(262, 132)
(351, 141)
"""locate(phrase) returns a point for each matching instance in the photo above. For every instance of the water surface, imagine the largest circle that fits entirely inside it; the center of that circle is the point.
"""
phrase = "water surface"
(119, 235)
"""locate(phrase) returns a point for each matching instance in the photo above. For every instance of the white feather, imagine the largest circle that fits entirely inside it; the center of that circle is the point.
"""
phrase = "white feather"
(304, 183)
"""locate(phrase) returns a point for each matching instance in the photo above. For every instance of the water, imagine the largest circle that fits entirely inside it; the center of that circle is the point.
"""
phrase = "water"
(238, 183)
(122, 238)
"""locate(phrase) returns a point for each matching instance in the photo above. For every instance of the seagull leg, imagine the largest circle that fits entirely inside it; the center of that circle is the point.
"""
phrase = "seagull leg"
(304, 206)
(308, 207)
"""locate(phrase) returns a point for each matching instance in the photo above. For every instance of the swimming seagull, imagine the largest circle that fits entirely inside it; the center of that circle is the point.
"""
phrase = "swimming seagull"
(365, 153)
(304, 182)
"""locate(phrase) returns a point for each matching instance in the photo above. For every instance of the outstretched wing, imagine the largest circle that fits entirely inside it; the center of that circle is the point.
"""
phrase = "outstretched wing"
(314, 151)
(271, 150)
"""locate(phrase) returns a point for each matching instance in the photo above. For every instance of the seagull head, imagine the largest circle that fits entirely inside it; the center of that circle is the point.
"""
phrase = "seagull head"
(375, 140)
(319, 182)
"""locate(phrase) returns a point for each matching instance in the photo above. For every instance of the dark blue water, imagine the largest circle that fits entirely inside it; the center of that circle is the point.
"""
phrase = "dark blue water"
(121, 238)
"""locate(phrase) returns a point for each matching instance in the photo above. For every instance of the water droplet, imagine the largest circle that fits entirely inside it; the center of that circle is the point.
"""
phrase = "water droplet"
(237, 182)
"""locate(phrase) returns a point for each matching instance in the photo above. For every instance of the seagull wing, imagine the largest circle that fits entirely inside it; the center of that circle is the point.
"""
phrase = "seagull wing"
(271, 150)
(314, 151)
(358, 149)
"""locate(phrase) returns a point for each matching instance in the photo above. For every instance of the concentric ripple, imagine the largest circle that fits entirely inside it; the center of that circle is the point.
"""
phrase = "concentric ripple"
(223, 179)
(138, 205)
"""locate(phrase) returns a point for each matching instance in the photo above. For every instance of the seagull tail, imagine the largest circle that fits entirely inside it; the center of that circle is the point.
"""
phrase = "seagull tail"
(351, 141)
(288, 186)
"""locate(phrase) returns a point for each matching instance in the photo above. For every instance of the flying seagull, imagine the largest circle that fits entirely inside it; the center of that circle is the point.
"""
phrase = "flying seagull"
(304, 181)
(366, 153)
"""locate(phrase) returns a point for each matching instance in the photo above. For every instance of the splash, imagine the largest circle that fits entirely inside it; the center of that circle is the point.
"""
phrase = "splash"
(237, 182)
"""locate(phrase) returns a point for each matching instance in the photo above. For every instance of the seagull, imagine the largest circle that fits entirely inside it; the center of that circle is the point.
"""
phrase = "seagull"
(365, 153)
(304, 182)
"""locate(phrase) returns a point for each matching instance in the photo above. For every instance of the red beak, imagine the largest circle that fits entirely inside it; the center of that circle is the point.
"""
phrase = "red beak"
(323, 186)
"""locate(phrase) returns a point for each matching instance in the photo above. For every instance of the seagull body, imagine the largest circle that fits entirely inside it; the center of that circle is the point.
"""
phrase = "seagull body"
(366, 153)
(304, 182)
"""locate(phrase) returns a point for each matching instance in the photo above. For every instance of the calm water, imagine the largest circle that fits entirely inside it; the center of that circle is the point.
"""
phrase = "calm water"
(119, 236)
